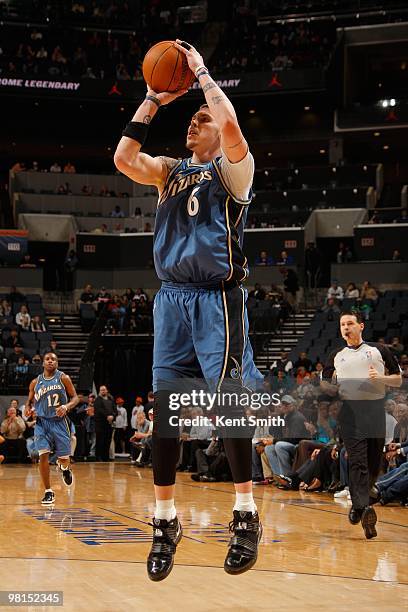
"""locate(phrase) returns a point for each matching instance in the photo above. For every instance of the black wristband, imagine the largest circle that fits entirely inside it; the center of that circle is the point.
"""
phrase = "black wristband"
(137, 131)
(154, 100)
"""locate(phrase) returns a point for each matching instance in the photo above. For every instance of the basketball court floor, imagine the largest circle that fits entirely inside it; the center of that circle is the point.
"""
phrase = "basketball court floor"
(93, 545)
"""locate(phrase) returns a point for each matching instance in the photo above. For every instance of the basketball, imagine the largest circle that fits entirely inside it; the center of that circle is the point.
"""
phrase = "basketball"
(165, 68)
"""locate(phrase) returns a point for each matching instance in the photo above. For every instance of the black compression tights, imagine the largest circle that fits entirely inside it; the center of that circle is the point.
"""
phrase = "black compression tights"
(166, 452)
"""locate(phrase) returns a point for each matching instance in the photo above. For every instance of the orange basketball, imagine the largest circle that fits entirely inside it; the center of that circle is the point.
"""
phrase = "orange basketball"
(165, 68)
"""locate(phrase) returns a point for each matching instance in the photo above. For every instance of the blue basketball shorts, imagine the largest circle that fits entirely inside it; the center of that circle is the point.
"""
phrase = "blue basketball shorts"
(53, 435)
(202, 332)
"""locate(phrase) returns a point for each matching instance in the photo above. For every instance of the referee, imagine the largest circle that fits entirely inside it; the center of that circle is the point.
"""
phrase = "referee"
(362, 371)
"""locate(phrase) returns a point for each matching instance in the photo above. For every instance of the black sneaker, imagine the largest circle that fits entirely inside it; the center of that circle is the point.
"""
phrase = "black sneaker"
(48, 499)
(166, 536)
(243, 547)
(67, 476)
(354, 516)
(368, 521)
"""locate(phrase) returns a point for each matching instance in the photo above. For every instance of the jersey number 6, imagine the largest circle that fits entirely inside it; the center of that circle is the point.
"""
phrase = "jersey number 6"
(193, 204)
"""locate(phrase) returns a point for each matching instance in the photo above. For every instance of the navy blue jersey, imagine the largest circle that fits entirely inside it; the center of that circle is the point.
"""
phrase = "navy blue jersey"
(49, 393)
(199, 227)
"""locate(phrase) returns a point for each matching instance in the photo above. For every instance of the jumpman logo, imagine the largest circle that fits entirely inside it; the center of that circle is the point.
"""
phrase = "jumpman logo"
(275, 81)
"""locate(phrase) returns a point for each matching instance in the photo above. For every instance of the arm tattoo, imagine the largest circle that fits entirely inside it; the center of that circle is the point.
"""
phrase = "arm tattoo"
(217, 99)
(209, 86)
(147, 119)
(235, 145)
(169, 162)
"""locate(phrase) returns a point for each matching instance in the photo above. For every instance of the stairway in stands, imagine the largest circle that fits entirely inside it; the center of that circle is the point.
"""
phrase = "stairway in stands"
(285, 338)
(66, 330)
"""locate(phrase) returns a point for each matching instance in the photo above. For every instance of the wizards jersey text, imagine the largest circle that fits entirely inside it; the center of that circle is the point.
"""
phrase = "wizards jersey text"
(49, 393)
(199, 227)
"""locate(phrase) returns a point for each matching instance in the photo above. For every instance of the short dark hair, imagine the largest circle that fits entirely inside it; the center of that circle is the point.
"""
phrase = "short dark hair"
(50, 353)
(353, 313)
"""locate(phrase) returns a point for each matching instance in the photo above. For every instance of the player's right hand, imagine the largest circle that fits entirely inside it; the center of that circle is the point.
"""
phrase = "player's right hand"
(166, 96)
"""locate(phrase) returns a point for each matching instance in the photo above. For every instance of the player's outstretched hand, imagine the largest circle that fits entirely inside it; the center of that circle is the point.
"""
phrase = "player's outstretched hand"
(166, 96)
(194, 59)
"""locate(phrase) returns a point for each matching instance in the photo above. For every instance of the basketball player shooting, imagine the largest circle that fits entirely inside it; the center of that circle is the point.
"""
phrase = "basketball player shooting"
(200, 318)
(48, 401)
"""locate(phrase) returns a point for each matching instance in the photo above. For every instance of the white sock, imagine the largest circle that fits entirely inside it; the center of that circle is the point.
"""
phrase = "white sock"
(244, 502)
(165, 509)
(46, 490)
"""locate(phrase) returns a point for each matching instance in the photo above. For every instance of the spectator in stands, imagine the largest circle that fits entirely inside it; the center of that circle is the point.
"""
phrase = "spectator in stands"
(396, 346)
(344, 254)
(13, 339)
(90, 427)
(401, 428)
(291, 286)
(331, 308)
(34, 168)
(313, 264)
(352, 292)
(23, 318)
(36, 360)
(120, 426)
(285, 260)
(117, 213)
(21, 371)
(105, 414)
(37, 325)
(142, 439)
(139, 437)
(27, 263)
(18, 167)
(258, 292)
(368, 292)
(5, 309)
(281, 453)
(29, 437)
(303, 362)
(69, 168)
(16, 354)
(52, 348)
(147, 227)
(64, 189)
(15, 296)
(150, 402)
(283, 363)
(199, 436)
(138, 407)
(56, 168)
(12, 429)
(335, 291)
(129, 293)
(87, 190)
(117, 314)
(139, 292)
(102, 298)
(281, 382)
(396, 256)
(87, 296)
(263, 259)
(70, 265)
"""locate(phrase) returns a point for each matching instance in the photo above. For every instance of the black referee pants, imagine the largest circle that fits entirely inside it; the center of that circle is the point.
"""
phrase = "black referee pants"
(362, 426)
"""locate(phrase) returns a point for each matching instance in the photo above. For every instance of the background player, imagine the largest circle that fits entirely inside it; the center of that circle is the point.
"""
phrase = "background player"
(200, 315)
(51, 396)
(360, 371)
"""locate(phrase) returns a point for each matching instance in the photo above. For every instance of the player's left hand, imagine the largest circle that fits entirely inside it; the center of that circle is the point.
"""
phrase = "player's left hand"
(194, 59)
(61, 410)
